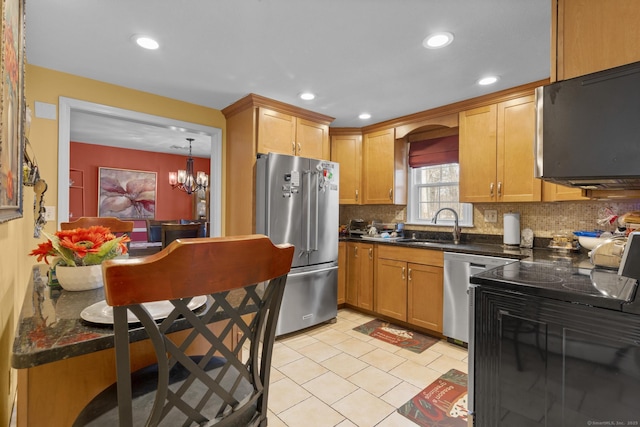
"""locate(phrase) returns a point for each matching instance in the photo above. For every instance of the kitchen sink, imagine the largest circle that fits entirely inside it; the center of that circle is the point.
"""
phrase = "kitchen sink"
(426, 242)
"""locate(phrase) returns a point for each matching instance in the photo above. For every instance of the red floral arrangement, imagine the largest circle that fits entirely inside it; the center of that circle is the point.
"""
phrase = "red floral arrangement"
(81, 246)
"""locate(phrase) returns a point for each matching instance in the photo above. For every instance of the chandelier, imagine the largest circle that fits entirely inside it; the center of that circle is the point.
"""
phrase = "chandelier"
(185, 180)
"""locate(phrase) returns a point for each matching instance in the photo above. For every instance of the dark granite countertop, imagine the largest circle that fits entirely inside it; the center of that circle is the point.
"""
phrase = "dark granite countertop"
(50, 327)
(484, 245)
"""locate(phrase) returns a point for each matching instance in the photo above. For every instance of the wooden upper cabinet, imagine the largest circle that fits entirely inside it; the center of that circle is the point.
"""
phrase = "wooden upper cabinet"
(496, 153)
(554, 192)
(384, 168)
(593, 35)
(477, 154)
(312, 139)
(286, 134)
(515, 140)
(346, 149)
(276, 132)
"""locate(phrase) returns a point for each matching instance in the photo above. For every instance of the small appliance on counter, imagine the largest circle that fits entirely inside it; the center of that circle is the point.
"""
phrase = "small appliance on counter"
(357, 227)
(608, 254)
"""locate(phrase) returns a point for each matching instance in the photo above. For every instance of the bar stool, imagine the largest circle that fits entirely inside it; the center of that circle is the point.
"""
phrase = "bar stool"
(243, 278)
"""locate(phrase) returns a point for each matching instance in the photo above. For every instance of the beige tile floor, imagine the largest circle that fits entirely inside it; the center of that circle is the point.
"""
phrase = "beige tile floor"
(331, 375)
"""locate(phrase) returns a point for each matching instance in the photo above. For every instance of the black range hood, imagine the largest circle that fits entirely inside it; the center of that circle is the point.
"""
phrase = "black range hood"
(588, 130)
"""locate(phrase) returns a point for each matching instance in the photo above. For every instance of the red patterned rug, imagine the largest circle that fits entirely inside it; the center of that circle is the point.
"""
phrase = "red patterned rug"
(393, 334)
(442, 404)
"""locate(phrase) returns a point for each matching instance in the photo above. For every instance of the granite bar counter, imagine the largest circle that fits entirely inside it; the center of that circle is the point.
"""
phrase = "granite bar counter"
(50, 327)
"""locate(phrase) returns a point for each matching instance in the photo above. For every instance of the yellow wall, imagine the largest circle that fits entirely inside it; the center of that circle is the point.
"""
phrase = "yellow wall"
(16, 237)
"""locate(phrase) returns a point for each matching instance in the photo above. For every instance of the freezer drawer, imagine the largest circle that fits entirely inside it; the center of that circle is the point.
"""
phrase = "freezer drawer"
(310, 298)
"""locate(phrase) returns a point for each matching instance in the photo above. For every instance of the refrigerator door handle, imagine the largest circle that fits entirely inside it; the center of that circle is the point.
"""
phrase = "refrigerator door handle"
(307, 248)
(316, 192)
(305, 273)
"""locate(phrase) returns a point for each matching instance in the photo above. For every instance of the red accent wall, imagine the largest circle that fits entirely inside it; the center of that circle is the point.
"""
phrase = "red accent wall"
(170, 203)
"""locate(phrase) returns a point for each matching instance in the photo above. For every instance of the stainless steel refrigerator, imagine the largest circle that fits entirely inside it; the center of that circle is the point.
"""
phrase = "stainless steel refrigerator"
(297, 202)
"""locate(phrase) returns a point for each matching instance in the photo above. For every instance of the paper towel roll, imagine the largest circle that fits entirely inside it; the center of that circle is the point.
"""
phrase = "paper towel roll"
(512, 228)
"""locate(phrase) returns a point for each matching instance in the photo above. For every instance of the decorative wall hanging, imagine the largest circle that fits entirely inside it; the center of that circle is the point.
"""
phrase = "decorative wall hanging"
(126, 194)
(13, 109)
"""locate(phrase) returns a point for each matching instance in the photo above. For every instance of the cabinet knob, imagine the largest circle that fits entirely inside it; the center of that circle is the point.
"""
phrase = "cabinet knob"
(299, 148)
(491, 189)
(370, 253)
(402, 273)
(409, 274)
(293, 147)
(356, 195)
(499, 188)
(391, 194)
(355, 251)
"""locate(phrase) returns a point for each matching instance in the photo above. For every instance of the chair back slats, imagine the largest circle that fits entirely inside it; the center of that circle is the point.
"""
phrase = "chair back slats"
(226, 383)
(114, 224)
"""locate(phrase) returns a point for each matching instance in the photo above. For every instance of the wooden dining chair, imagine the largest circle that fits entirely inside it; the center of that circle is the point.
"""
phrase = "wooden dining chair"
(171, 232)
(243, 278)
(114, 224)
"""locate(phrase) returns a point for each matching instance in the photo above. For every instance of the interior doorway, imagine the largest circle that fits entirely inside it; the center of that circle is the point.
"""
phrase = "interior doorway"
(68, 106)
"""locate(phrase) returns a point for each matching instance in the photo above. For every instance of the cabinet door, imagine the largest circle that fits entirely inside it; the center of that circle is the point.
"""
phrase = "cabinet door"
(312, 139)
(276, 132)
(353, 274)
(478, 154)
(347, 151)
(378, 167)
(342, 272)
(391, 288)
(553, 192)
(365, 285)
(595, 35)
(515, 157)
(425, 296)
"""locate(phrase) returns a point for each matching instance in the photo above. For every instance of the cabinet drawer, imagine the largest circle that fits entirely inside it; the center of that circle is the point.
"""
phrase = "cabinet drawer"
(418, 256)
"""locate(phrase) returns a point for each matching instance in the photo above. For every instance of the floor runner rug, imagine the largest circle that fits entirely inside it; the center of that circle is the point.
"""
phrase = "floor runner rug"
(393, 334)
(443, 403)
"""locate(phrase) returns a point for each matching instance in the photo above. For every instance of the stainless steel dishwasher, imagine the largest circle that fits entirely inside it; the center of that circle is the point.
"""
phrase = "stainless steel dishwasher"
(458, 267)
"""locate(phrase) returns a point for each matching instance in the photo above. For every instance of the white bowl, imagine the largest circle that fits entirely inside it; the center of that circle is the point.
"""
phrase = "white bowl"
(590, 242)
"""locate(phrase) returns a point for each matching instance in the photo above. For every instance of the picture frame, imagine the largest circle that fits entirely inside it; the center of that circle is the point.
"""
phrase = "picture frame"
(13, 109)
(126, 193)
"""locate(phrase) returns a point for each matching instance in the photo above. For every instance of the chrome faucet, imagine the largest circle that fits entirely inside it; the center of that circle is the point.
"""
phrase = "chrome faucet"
(456, 229)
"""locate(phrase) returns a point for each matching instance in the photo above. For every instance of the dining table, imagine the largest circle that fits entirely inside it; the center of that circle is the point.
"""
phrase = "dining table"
(64, 360)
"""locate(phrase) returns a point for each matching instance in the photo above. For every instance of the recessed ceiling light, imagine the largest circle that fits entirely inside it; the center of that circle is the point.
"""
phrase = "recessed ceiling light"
(146, 42)
(437, 40)
(307, 96)
(364, 116)
(488, 80)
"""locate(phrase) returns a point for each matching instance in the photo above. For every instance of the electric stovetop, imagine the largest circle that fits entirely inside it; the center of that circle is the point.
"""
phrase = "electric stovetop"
(585, 285)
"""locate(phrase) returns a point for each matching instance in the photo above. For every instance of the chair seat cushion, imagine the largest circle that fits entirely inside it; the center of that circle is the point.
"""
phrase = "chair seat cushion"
(103, 409)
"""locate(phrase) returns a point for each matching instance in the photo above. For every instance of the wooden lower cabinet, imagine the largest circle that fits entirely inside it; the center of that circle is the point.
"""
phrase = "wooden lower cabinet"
(391, 289)
(342, 272)
(408, 285)
(425, 296)
(359, 286)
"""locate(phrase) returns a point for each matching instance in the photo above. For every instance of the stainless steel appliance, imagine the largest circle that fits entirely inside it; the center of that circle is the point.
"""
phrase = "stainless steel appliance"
(297, 203)
(588, 132)
(458, 268)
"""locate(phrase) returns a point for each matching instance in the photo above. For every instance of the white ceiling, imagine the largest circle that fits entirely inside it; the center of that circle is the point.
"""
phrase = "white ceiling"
(356, 55)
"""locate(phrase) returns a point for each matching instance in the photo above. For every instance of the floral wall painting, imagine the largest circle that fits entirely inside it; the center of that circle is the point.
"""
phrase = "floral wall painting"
(126, 194)
(12, 105)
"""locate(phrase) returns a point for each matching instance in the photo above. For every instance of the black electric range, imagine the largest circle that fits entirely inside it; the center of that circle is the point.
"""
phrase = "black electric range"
(584, 285)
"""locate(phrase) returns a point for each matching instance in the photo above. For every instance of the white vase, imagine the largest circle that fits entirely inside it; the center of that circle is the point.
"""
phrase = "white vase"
(79, 278)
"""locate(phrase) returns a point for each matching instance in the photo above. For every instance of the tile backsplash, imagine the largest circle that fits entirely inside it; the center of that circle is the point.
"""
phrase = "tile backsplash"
(544, 219)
